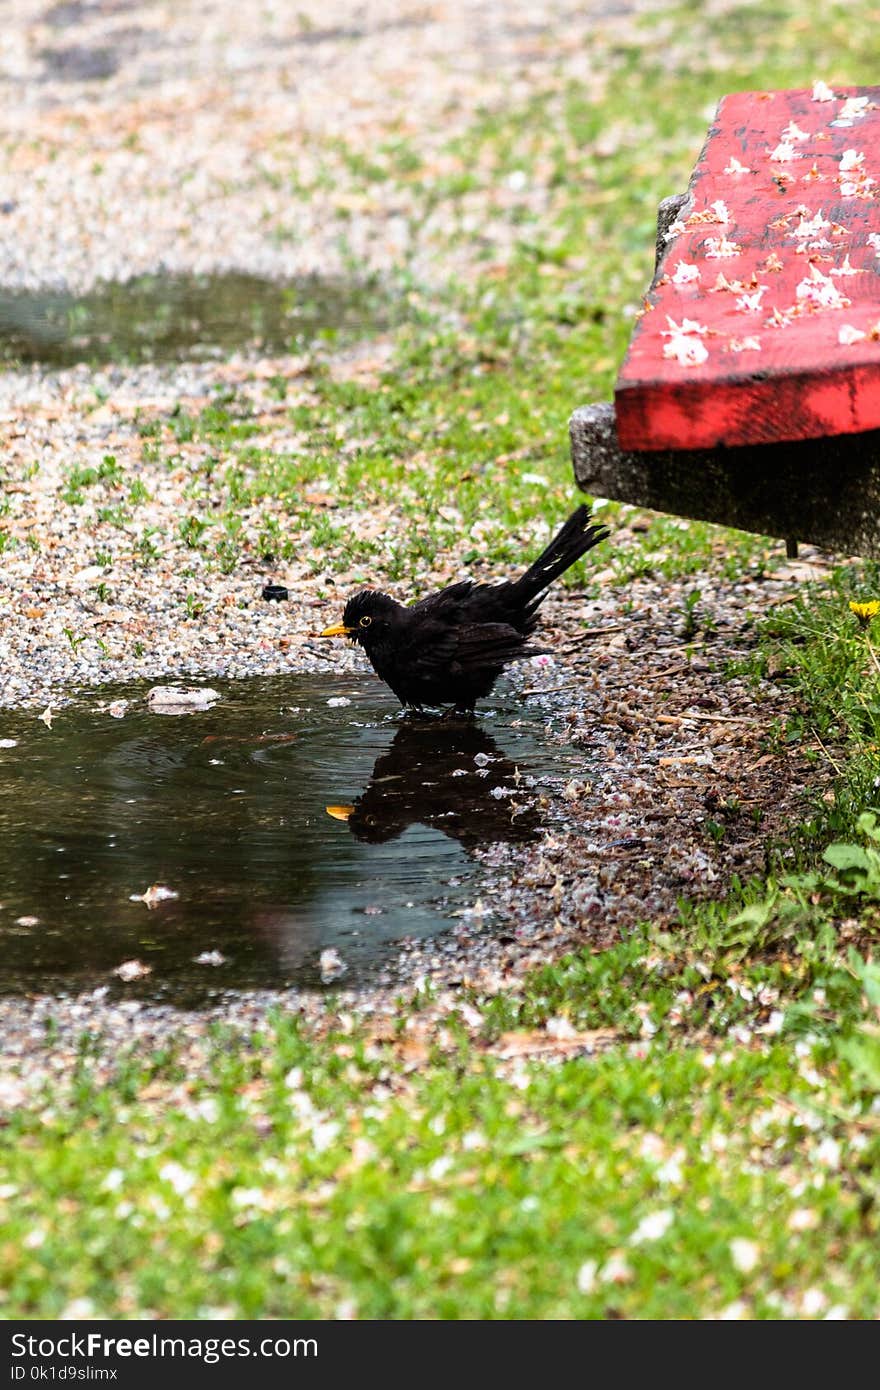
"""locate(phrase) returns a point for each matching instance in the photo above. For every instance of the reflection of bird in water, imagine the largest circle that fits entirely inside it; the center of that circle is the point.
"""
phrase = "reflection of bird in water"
(443, 776)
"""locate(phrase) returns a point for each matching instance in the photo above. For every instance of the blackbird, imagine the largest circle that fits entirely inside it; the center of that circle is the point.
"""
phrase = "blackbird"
(451, 647)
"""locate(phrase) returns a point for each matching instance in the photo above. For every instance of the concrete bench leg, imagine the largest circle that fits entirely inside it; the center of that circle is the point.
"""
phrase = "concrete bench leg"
(822, 491)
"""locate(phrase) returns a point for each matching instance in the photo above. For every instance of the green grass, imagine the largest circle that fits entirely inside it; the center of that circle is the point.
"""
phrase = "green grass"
(663, 1178)
(716, 1152)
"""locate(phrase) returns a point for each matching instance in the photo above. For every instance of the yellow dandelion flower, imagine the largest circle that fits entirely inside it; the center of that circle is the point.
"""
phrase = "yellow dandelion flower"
(865, 611)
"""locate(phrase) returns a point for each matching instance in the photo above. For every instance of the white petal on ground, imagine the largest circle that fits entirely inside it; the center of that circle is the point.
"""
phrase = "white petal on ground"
(821, 291)
(719, 247)
(734, 1312)
(846, 268)
(828, 1152)
(751, 302)
(652, 1226)
(616, 1270)
(586, 1276)
(813, 1301)
(803, 1219)
(745, 1254)
(671, 1170)
(850, 335)
(560, 1027)
(675, 229)
(851, 159)
(77, 1311)
(180, 1178)
(810, 226)
(686, 349)
(853, 108)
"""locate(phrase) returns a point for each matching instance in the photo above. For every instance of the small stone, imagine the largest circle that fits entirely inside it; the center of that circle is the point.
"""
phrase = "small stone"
(180, 699)
(132, 970)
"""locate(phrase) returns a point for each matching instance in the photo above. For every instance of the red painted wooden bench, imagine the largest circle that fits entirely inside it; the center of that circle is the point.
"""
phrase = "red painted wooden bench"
(750, 391)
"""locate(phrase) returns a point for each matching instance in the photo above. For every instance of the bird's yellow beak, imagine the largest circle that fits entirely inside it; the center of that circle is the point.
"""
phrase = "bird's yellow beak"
(337, 630)
(339, 812)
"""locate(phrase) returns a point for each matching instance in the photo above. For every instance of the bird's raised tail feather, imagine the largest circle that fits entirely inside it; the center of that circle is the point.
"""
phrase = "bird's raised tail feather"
(574, 539)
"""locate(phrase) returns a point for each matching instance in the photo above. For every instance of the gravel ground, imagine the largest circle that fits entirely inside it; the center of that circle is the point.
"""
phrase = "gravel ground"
(49, 591)
(144, 137)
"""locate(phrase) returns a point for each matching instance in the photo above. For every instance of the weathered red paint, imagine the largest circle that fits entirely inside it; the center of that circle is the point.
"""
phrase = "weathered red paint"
(765, 358)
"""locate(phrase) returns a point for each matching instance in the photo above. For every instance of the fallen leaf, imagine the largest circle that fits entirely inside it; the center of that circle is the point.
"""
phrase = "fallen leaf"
(156, 893)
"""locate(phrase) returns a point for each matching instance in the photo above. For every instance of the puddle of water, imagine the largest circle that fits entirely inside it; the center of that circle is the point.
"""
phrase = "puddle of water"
(227, 807)
(173, 317)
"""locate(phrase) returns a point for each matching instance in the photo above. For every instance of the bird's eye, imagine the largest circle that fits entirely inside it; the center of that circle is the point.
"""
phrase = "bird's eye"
(366, 620)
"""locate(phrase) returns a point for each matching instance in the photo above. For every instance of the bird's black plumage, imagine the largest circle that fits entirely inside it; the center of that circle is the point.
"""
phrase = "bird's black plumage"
(451, 646)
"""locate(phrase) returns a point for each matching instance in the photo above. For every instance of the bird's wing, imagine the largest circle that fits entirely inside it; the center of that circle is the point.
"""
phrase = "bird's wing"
(427, 646)
(445, 604)
(488, 645)
(436, 647)
(479, 605)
